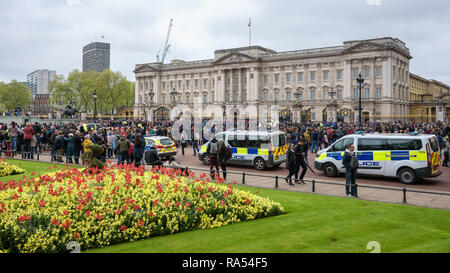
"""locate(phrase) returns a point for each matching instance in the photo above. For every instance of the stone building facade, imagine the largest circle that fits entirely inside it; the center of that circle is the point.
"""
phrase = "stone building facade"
(308, 85)
(429, 100)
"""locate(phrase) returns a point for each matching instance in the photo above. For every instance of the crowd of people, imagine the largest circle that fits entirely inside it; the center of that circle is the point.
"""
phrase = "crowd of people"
(123, 140)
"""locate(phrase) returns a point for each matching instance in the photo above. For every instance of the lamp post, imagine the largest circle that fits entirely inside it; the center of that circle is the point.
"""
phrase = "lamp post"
(95, 104)
(360, 81)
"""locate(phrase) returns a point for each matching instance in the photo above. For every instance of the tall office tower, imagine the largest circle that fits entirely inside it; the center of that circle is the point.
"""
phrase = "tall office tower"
(96, 56)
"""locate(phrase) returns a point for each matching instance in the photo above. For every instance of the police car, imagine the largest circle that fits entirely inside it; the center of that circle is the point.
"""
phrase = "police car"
(91, 126)
(408, 157)
(259, 149)
(164, 145)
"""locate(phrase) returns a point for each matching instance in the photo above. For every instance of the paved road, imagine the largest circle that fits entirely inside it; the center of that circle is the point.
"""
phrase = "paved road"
(441, 183)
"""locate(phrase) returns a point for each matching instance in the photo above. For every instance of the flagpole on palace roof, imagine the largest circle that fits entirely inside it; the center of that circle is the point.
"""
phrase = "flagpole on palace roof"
(250, 32)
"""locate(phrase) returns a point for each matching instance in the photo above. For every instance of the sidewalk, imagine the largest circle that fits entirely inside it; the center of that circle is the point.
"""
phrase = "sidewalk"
(253, 179)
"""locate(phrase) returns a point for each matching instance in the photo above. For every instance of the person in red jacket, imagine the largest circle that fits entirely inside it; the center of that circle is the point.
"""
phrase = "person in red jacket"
(28, 133)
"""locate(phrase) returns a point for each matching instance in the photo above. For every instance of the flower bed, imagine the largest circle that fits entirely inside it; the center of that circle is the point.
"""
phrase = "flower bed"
(7, 169)
(117, 204)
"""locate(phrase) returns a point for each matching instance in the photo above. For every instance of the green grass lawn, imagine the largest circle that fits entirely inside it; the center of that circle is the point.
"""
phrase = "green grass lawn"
(29, 167)
(312, 223)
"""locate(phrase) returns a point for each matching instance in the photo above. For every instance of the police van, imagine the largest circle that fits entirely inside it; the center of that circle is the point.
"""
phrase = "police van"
(259, 149)
(408, 157)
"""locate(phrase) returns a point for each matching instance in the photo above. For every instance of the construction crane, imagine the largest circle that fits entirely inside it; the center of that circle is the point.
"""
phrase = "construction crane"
(166, 46)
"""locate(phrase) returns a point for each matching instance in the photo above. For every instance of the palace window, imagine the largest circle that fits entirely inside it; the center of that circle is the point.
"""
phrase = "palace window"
(378, 72)
(288, 77)
(366, 72)
(179, 84)
(205, 98)
(277, 78)
(355, 73)
(355, 93)
(164, 85)
(339, 93)
(313, 76)
(313, 94)
(288, 96)
(378, 93)
(196, 83)
(188, 99)
(325, 75)
(205, 82)
(366, 93)
(339, 75)
(276, 96)
(300, 76)
(266, 97)
(265, 79)
(187, 83)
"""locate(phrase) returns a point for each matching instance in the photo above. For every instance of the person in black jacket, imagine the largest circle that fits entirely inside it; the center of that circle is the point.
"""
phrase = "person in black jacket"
(350, 162)
(152, 157)
(76, 146)
(300, 151)
(291, 162)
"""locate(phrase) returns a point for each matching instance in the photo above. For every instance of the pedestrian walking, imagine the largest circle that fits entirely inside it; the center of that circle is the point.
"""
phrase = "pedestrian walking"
(138, 150)
(212, 151)
(183, 141)
(350, 162)
(300, 151)
(76, 146)
(446, 148)
(291, 163)
(123, 147)
(28, 134)
(223, 154)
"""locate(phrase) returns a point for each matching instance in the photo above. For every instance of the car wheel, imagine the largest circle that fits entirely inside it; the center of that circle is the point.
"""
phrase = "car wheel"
(259, 164)
(329, 170)
(407, 176)
(205, 159)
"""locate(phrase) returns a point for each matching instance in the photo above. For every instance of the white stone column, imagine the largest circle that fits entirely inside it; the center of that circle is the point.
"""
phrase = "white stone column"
(440, 113)
(221, 87)
(248, 86)
(157, 89)
(256, 84)
(348, 79)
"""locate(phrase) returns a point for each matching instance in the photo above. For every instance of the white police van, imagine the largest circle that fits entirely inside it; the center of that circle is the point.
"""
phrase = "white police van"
(408, 157)
(260, 149)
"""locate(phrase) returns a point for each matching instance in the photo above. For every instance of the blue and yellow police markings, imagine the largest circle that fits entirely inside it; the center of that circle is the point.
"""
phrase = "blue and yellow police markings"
(381, 155)
(249, 151)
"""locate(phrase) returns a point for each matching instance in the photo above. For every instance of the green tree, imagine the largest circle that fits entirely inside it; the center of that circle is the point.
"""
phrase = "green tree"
(13, 94)
(113, 91)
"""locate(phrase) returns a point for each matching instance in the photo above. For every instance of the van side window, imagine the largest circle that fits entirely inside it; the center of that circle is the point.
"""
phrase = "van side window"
(434, 144)
(403, 144)
(371, 144)
(342, 144)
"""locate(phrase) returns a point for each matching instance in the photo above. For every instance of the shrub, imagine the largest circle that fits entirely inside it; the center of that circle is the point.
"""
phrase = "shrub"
(7, 169)
(91, 155)
(122, 203)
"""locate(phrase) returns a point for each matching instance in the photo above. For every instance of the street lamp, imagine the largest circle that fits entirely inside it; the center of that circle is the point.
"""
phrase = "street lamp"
(95, 104)
(360, 81)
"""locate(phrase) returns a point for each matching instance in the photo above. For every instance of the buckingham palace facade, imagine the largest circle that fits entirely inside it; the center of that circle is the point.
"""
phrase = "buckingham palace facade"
(308, 85)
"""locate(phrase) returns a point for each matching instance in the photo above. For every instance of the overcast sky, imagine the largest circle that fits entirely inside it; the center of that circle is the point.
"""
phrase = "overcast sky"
(50, 34)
